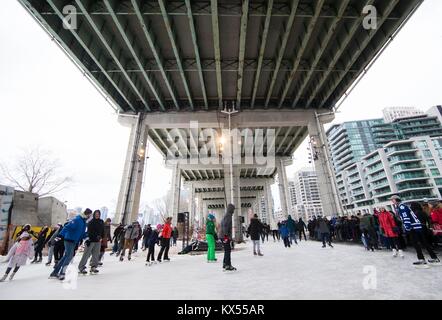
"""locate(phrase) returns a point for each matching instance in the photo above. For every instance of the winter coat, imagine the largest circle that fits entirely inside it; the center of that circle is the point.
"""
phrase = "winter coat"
(75, 230)
(291, 224)
(95, 230)
(388, 225)
(55, 234)
(41, 240)
(436, 216)
(226, 222)
(19, 253)
(118, 231)
(420, 214)
(166, 233)
(301, 225)
(153, 238)
(210, 227)
(132, 232)
(255, 229)
(323, 226)
(107, 232)
(284, 231)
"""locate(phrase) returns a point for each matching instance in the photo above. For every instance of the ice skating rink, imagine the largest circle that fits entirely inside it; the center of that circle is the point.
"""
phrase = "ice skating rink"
(305, 271)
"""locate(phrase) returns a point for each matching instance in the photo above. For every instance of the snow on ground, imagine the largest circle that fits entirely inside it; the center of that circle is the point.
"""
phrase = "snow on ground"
(306, 271)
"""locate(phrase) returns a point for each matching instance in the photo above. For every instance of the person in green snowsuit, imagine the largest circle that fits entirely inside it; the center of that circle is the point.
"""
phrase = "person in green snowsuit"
(210, 237)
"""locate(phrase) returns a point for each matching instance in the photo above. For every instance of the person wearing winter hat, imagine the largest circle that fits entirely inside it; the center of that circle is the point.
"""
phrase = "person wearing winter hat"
(72, 233)
(166, 233)
(255, 229)
(151, 242)
(226, 236)
(95, 233)
(211, 238)
(19, 254)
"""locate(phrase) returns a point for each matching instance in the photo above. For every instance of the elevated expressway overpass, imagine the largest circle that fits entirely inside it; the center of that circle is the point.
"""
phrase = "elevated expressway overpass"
(170, 67)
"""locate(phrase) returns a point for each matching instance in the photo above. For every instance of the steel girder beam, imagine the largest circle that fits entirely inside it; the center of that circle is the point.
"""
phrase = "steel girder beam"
(202, 8)
(295, 136)
(131, 44)
(215, 32)
(242, 51)
(227, 65)
(358, 52)
(338, 54)
(160, 139)
(91, 49)
(113, 50)
(283, 139)
(323, 46)
(285, 38)
(175, 49)
(197, 53)
(300, 51)
(156, 53)
(262, 48)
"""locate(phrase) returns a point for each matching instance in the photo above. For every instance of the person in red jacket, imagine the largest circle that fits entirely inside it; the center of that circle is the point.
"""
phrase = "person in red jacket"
(390, 230)
(166, 233)
(436, 213)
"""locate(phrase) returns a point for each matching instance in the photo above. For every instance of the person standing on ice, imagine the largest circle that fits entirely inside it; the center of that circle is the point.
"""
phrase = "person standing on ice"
(166, 234)
(40, 244)
(390, 231)
(285, 234)
(324, 231)
(19, 253)
(72, 233)
(255, 229)
(130, 236)
(413, 228)
(301, 229)
(95, 233)
(226, 236)
(115, 239)
(52, 241)
(291, 226)
(211, 238)
(151, 242)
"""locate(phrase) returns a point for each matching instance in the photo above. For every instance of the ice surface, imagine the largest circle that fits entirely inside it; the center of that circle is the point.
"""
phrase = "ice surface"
(306, 271)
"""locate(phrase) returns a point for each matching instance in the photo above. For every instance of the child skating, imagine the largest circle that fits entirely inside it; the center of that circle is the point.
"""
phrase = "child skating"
(17, 256)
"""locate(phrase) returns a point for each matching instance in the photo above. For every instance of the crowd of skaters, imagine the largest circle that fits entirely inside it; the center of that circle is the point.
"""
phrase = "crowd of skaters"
(412, 225)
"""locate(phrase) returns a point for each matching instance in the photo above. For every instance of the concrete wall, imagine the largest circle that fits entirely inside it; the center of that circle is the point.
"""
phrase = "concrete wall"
(25, 209)
(51, 211)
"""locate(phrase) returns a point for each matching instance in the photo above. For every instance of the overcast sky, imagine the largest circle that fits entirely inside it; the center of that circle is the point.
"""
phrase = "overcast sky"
(46, 101)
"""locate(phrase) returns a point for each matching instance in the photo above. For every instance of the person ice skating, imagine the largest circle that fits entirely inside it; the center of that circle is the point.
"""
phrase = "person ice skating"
(95, 233)
(20, 252)
(291, 226)
(211, 238)
(26, 228)
(51, 243)
(130, 235)
(366, 225)
(275, 233)
(146, 235)
(104, 242)
(390, 230)
(166, 234)
(255, 229)
(324, 231)
(140, 235)
(151, 242)
(175, 235)
(285, 234)
(72, 233)
(301, 229)
(115, 239)
(413, 228)
(40, 244)
(226, 236)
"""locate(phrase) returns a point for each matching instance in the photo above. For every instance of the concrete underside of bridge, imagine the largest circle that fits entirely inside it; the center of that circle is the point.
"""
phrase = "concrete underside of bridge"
(170, 67)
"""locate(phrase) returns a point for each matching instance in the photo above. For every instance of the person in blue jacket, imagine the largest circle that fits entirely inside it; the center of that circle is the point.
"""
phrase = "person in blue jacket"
(73, 233)
(413, 228)
(285, 233)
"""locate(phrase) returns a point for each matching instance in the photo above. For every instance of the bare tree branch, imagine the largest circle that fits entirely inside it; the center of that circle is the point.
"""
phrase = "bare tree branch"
(36, 171)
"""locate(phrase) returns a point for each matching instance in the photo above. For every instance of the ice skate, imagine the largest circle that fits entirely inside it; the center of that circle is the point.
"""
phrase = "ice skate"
(82, 271)
(121, 258)
(93, 271)
(229, 268)
(434, 262)
(61, 277)
(53, 276)
(401, 254)
(395, 253)
(260, 254)
(129, 257)
(254, 253)
(47, 263)
(330, 245)
(3, 278)
(167, 260)
(12, 276)
(421, 264)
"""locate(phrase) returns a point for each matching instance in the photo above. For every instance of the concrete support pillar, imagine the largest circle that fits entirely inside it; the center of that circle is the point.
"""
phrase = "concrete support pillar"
(283, 185)
(269, 204)
(176, 188)
(327, 187)
(131, 183)
(234, 186)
